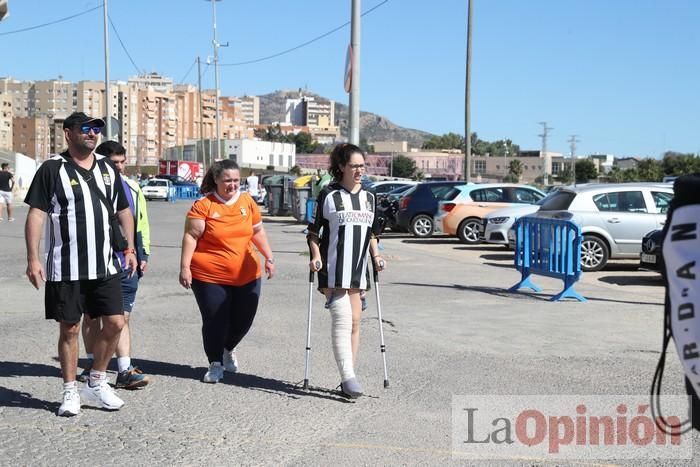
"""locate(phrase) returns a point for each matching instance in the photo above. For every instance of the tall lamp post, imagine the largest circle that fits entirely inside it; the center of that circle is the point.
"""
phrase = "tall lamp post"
(108, 91)
(216, 45)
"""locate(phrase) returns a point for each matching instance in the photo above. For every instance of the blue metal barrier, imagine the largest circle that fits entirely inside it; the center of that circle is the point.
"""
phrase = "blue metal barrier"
(548, 247)
(183, 192)
(310, 209)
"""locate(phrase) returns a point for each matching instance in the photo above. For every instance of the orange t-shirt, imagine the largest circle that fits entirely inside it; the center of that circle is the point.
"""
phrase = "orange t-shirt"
(225, 253)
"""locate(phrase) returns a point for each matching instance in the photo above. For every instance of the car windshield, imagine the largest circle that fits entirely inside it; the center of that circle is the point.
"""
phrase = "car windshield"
(557, 201)
(157, 183)
(400, 189)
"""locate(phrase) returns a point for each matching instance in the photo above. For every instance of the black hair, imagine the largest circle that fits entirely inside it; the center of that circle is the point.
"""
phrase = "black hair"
(4, 165)
(340, 156)
(216, 169)
(110, 148)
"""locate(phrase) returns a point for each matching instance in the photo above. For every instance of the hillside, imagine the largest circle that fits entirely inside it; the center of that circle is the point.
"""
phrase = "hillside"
(373, 127)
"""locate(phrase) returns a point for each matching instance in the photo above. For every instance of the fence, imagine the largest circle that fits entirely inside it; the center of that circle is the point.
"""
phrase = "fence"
(548, 247)
(183, 192)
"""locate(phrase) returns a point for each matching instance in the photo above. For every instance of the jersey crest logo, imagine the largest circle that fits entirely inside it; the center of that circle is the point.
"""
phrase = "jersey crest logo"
(368, 204)
(243, 212)
(107, 179)
(216, 215)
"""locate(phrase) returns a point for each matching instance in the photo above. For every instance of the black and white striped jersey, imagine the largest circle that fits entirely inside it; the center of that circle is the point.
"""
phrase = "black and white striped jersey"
(77, 238)
(343, 222)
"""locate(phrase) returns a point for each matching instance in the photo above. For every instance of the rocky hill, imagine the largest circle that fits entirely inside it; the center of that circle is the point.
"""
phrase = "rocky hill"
(373, 127)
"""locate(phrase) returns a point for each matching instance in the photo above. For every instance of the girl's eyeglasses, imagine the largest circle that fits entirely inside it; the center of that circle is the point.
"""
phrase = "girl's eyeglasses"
(357, 166)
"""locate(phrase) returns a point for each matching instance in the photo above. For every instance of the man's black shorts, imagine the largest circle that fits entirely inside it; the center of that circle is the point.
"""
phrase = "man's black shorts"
(68, 300)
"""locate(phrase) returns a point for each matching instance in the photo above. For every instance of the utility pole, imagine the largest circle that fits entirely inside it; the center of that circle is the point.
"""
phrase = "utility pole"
(572, 145)
(216, 45)
(467, 100)
(505, 158)
(201, 116)
(108, 91)
(547, 159)
(354, 104)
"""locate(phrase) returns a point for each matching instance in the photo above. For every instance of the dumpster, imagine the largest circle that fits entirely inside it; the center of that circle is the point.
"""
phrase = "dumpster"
(278, 190)
(298, 202)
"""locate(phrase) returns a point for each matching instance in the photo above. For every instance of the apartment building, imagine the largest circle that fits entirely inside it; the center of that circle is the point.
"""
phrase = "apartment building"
(52, 98)
(31, 136)
(18, 92)
(5, 121)
(250, 110)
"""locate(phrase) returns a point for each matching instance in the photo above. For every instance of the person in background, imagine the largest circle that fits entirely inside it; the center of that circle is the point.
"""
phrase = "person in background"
(221, 267)
(7, 183)
(339, 238)
(253, 185)
(128, 376)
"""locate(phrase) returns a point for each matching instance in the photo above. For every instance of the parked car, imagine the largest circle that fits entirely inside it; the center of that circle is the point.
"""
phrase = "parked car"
(388, 206)
(464, 209)
(419, 205)
(184, 187)
(497, 223)
(157, 188)
(613, 217)
(651, 257)
(380, 188)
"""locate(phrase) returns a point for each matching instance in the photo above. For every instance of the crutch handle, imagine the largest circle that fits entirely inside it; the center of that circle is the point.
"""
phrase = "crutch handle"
(311, 277)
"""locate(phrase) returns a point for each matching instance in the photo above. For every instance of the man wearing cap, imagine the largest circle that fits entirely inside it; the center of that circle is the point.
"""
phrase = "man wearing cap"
(81, 193)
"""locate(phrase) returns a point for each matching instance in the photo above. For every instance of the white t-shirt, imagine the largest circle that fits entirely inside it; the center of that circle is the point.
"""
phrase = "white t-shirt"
(252, 185)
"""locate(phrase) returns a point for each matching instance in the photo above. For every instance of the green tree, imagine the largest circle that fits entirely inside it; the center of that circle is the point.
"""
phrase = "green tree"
(675, 163)
(616, 175)
(304, 142)
(510, 178)
(404, 167)
(585, 171)
(650, 170)
(296, 170)
(515, 168)
(565, 176)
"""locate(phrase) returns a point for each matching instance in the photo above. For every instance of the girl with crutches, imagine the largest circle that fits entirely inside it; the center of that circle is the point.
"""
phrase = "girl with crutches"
(341, 234)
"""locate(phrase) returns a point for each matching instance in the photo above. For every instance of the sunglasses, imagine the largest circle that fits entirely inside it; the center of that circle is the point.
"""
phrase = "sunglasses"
(86, 129)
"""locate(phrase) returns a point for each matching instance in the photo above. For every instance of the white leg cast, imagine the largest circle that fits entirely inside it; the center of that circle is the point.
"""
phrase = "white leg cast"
(341, 332)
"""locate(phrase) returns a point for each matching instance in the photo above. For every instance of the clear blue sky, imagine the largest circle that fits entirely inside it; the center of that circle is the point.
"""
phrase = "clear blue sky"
(624, 75)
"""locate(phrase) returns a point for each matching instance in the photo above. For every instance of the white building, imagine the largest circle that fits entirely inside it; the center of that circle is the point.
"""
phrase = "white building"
(257, 154)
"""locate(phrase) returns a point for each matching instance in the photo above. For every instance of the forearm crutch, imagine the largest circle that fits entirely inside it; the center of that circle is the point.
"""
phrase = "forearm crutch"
(308, 330)
(382, 347)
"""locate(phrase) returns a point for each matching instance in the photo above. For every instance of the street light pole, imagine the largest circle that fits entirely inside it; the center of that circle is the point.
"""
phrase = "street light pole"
(108, 91)
(216, 45)
(354, 104)
(467, 99)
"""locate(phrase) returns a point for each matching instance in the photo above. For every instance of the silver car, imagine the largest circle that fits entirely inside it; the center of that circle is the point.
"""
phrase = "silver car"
(613, 217)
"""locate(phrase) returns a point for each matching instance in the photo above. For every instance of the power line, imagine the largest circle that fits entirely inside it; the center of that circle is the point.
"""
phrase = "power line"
(248, 62)
(182, 81)
(31, 28)
(138, 70)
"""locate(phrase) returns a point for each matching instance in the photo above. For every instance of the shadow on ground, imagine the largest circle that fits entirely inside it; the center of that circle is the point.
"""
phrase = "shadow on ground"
(655, 281)
(254, 382)
(24, 400)
(525, 295)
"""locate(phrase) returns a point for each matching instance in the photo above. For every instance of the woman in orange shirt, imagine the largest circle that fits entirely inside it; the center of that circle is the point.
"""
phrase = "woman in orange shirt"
(220, 265)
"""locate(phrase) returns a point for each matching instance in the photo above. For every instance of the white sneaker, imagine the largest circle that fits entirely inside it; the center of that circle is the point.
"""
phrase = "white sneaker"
(71, 403)
(230, 361)
(214, 374)
(102, 396)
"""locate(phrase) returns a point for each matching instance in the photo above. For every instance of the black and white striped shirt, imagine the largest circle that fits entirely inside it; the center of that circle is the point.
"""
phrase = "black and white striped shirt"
(77, 237)
(344, 223)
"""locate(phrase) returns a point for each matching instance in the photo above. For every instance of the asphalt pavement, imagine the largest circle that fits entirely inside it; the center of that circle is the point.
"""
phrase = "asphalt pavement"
(451, 328)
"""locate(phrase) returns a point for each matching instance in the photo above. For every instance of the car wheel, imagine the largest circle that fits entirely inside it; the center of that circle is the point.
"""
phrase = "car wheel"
(468, 231)
(422, 226)
(594, 254)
